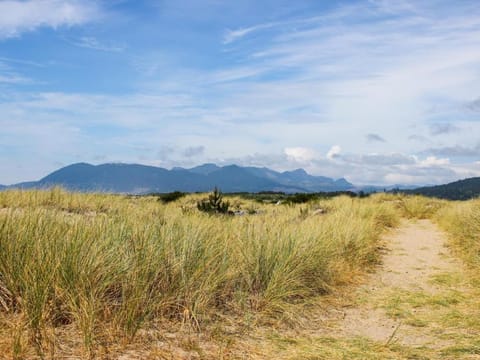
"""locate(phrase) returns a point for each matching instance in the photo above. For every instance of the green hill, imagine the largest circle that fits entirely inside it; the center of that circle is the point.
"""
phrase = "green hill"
(459, 190)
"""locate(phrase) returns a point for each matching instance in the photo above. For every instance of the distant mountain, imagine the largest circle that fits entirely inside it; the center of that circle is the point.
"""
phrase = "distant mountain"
(2, 187)
(204, 169)
(458, 190)
(234, 178)
(122, 178)
(140, 179)
(300, 179)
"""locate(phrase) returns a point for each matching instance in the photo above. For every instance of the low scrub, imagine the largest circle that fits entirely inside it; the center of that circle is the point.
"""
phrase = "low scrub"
(171, 196)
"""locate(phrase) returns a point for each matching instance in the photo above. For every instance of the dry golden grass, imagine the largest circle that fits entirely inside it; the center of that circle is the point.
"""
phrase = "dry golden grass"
(462, 221)
(102, 267)
(100, 276)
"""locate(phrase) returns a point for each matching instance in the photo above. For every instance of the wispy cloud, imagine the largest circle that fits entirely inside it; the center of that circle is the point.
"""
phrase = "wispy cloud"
(165, 152)
(18, 16)
(9, 77)
(455, 151)
(443, 128)
(21, 61)
(418, 138)
(372, 138)
(474, 105)
(93, 43)
(193, 151)
(233, 35)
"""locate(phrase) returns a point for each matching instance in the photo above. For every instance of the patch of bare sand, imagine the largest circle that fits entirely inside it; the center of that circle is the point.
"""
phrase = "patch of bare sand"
(413, 255)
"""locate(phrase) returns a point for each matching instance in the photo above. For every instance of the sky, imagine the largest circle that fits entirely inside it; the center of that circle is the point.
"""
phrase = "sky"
(379, 92)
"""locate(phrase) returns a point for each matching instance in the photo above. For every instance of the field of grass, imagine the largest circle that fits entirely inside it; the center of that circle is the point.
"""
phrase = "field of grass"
(107, 264)
(84, 274)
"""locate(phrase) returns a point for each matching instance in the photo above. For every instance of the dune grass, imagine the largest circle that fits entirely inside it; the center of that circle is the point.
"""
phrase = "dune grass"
(461, 220)
(102, 263)
(82, 274)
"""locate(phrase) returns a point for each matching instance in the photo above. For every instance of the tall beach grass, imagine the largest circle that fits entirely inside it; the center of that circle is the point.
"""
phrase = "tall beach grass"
(96, 262)
(462, 221)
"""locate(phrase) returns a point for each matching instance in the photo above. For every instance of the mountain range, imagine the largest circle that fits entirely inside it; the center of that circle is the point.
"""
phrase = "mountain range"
(141, 179)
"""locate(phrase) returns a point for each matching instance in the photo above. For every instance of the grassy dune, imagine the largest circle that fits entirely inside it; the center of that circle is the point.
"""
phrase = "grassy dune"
(114, 264)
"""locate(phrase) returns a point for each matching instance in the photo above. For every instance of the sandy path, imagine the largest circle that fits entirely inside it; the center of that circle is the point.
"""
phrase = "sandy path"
(414, 255)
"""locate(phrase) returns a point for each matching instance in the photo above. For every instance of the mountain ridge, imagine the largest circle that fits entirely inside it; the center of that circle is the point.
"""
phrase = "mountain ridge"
(143, 179)
(139, 179)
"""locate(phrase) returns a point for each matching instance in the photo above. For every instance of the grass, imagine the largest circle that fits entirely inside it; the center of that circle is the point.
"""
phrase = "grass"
(96, 265)
(462, 221)
(86, 275)
(419, 207)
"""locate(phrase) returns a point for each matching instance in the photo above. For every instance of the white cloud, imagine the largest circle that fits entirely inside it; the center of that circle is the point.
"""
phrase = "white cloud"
(402, 179)
(334, 152)
(17, 16)
(434, 161)
(300, 154)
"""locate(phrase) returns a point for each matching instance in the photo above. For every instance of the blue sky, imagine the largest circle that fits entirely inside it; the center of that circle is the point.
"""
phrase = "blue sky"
(379, 92)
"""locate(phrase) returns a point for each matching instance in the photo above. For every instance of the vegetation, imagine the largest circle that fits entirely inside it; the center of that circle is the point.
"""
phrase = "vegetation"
(462, 221)
(459, 190)
(99, 265)
(170, 197)
(78, 272)
(418, 207)
(296, 198)
(214, 204)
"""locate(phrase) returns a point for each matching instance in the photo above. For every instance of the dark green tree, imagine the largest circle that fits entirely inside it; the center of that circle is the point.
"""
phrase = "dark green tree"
(214, 203)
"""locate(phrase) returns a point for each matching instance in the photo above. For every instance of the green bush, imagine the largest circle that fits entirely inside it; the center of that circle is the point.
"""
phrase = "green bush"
(214, 203)
(171, 196)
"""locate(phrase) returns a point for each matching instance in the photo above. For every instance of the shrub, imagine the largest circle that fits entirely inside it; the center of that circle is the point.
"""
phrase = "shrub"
(171, 196)
(214, 203)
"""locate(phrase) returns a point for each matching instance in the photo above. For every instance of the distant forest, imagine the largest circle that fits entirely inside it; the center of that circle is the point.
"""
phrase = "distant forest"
(458, 190)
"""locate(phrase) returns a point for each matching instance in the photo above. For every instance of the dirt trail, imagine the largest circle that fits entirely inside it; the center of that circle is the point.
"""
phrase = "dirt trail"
(414, 255)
